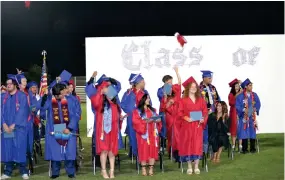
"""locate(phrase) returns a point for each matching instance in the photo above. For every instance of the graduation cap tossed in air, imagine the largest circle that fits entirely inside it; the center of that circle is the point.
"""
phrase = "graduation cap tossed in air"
(181, 40)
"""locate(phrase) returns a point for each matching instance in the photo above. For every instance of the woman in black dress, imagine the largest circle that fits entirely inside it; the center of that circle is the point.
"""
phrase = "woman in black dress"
(218, 124)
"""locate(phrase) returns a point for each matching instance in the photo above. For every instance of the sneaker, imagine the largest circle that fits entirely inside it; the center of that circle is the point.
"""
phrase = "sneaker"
(5, 177)
(25, 176)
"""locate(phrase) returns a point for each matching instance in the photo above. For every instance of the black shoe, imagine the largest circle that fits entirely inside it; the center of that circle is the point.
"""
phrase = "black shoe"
(245, 152)
(253, 151)
(54, 176)
(71, 176)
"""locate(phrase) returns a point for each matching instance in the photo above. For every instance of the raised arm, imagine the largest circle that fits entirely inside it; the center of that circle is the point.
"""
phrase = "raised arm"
(178, 75)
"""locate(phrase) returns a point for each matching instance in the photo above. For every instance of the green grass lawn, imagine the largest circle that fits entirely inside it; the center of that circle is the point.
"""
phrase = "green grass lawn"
(267, 165)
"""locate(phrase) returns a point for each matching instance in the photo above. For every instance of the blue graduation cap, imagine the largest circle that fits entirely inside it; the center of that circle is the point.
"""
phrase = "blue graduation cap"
(245, 83)
(101, 79)
(131, 77)
(19, 77)
(64, 78)
(136, 79)
(207, 73)
(31, 84)
(13, 77)
(111, 93)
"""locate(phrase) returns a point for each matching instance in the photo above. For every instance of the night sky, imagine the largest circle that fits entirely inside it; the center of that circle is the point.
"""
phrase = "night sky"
(61, 27)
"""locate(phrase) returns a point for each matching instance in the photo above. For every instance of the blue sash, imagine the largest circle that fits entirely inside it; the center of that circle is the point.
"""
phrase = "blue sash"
(107, 119)
(146, 135)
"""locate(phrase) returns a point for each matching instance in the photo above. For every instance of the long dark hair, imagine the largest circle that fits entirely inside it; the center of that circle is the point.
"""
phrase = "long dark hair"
(233, 90)
(107, 103)
(142, 104)
(224, 107)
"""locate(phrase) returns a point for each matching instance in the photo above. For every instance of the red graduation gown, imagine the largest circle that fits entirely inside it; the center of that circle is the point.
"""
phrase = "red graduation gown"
(171, 115)
(146, 151)
(110, 142)
(233, 115)
(191, 134)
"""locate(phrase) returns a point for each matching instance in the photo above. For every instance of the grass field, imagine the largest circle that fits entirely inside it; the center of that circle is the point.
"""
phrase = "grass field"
(267, 165)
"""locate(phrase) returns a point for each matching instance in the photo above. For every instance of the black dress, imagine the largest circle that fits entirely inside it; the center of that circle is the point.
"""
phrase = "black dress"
(218, 130)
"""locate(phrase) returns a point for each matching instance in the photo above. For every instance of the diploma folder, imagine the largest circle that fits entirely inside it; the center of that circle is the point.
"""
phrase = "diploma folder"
(58, 128)
(111, 93)
(196, 115)
(9, 135)
(154, 118)
(167, 89)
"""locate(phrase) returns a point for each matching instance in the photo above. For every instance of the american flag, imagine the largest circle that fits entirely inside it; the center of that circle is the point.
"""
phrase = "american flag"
(43, 85)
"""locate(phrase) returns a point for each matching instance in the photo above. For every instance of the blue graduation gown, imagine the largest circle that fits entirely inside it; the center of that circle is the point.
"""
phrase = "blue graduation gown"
(248, 132)
(163, 129)
(14, 149)
(128, 104)
(53, 150)
(30, 124)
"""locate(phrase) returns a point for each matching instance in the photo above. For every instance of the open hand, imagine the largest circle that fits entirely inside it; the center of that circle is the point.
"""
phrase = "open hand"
(19, 71)
(94, 74)
(6, 128)
(58, 79)
(12, 127)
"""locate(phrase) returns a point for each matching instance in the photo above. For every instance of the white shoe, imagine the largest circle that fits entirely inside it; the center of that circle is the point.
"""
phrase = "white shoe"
(240, 148)
(25, 176)
(5, 177)
(197, 171)
(189, 171)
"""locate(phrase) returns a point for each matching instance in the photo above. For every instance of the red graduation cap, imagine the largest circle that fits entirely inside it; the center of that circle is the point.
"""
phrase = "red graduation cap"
(27, 4)
(181, 40)
(233, 82)
(188, 81)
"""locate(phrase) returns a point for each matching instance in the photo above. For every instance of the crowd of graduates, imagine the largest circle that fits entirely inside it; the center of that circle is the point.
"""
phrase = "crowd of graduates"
(191, 117)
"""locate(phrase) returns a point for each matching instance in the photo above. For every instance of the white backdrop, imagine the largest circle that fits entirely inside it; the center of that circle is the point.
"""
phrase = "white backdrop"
(257, 57)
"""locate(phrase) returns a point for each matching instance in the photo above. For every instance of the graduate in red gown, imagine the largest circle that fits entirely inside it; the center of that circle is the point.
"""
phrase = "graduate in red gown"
(107, 127)
(235, 91)
(191, 132)
(169, 106)
(146, 133)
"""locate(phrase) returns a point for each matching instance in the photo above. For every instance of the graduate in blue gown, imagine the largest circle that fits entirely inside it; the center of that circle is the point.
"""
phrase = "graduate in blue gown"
(61, 111)
(31, 120)
(247, 106)
(129, 103)
(14, 115)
